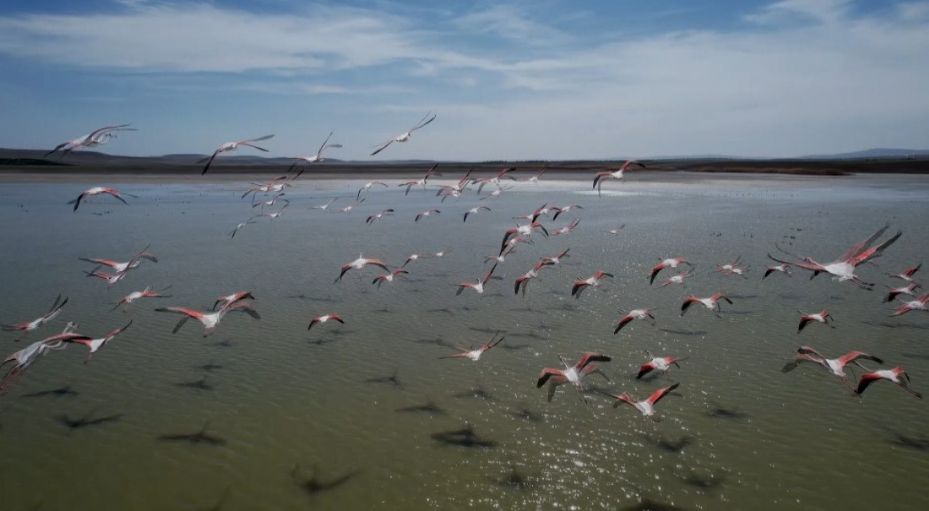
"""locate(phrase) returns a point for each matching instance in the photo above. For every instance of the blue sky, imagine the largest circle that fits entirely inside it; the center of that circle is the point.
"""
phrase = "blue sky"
(516, 80)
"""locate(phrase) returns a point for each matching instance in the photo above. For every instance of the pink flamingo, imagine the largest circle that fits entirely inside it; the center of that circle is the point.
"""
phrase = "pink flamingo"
(97, 190)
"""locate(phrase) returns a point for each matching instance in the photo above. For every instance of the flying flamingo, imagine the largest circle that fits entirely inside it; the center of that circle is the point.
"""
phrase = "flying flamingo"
(28, 355)
(658, 364)
(274, 186)
(894, 292)
(593, 281)
(733, 268)
(360, 263)
(29, 326)
(536, 178)
(110, 278)
(209, 320)
(388, 277)
(614, 174)
(633, 315)
(474, 211)
(97, 190)
(523, 281)
(843, 268)
(835, 366)
(556, 260)
(367, 186)
(566, 229)
(496, 193)
(272, 201)
(501, 257)
(671, 262)
(271, 216)
(374, 218)
(325, 206)
(522, 230)
(319, 320)
(316, 158)
(421, 181)
(426, 213)
(907, 274)
(479, 285)
(495, 180)
(919, 304)
(677, 279)
(403, 137)
(543, 210)
(94, 138)
(136, 295)
(232, 146)
(564, 209)
(896, 375)
(782, 268)
(95, 344)
(711, 303)
(475, 354)
(239, 227)
(572, 374)
(822, 316)
(119, 267)
(227, 300)
(646, 407)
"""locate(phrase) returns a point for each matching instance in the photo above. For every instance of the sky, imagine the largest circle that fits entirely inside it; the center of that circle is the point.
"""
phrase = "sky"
(545, 79)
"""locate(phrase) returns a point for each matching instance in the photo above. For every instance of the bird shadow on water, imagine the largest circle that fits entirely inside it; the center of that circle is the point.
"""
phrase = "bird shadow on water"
(65, 391)
(916, 356)
(524, 413)
(392, 379)
(225, 343)
(320, 299)
(196, 438)
(647, 504)
(705, 481)
(913, 443)
(429, 407)
(887, 324)
(87, 420)
(321, 342)
(314, 485)
(209, 366)
(513, 480)
(683, 332)
(200, 384)
(669, 445)
(464, 437)
(718, 411)
(476, 392)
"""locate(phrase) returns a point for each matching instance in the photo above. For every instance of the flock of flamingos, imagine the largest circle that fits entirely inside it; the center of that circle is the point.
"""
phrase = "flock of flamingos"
(675, 270)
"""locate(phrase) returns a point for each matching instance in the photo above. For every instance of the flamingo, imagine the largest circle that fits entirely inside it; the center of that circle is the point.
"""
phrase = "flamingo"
(110, 278)
(360, 263)
(97, 190)
(421, 181)
(571, 374)
(536, 178)
(232, 146)
(95, 344)
(671, 262)
(543, 210)
(522, 230)
(896, 375)
(227, 300)
(633, 315)
(495, 180)
(919, 304)
(646, 407)
(907, 274)
(475, 354)
(272, 201)
(29, 326)
(325, 206)
(479, 285)
(523, 281)
(496, 193)
(94, 138)
(564, 209)
(822, 316)
(566, 229)
(209, 320)
(374, 218)
(136, 295)
(30, 354)
(121, 267)
(658, 364)
(403, 137)
(593, 281)
(350, 207)
(319, 320)
(711, 303)
(614, 174)
(894, 292)
(677, 279)
(733, 268)
(511, 244)
(271, 216)
(455, 190)
(843, 268)
(615, 232)
(239, 227)
(782, 268)
(556, 260)
(274, 186)
(835, 366)
(316, 158)
(367, 186)
(428, 212)
(474, 211)
(388, 277)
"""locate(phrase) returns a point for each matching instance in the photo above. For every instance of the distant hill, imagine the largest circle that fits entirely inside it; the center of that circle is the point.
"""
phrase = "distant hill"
(873, 154)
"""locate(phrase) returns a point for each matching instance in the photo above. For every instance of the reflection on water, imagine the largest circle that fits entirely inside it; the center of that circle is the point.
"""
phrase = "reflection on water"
(264, 414)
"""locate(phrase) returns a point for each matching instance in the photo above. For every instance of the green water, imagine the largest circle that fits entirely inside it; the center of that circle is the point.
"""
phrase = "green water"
(738, 433)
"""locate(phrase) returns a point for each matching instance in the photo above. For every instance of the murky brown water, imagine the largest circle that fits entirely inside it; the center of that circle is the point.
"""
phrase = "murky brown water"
(738, 433)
